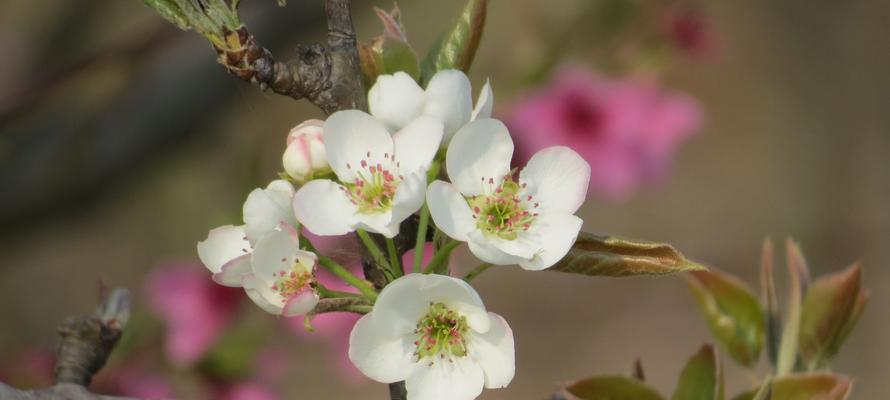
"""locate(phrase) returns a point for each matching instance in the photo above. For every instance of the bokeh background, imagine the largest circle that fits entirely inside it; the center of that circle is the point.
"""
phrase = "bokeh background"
(122, 143)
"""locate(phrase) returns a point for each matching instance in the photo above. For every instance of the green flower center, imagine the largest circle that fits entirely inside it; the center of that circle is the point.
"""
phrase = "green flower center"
(502, 212)
(290, 283)
(441, 333)
(374, 187)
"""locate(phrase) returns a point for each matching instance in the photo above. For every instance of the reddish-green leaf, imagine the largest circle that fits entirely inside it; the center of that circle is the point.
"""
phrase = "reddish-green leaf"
(806, 387)
(798, 275)
(733, 313)
(771, 304)
(612, 388)
(389, 52)
(457, 46)
(701, 378)
(830, 303)
(596, 255)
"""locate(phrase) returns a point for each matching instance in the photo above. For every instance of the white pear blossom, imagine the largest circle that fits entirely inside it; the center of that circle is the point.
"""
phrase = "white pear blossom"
(263, 255)
(305, 155)
(529, 221)
(397, 100)
(433, 332)
(382, 176)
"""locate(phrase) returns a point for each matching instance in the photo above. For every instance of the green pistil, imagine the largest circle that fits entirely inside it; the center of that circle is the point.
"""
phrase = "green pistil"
(441, 333)
(502, 212)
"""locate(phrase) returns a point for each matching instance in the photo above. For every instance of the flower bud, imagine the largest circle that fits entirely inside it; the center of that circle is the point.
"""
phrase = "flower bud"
(305, 154)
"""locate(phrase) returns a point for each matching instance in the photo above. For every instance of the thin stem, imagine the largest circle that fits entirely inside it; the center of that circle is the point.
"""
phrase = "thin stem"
(394, 263)
(326, 293)
(340, 271)
(372, 247)
(477, 271)
(441, 256)
(420, 242)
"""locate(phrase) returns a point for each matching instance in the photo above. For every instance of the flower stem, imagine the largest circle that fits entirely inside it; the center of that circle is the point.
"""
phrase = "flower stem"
(477, 271)
(394, 262)
(441, 256)
(372, 247)
(326, 293)
(420, 243)
(340, 271)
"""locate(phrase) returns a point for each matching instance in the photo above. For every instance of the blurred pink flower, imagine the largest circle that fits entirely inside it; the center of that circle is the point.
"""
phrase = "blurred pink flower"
(249, 391)
(627, 129)
(32, 368)
(194, 309)
(135, 381)
(688, 30)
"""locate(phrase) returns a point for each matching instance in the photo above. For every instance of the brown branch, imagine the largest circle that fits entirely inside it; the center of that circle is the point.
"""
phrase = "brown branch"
(86, 342)
(330, 77)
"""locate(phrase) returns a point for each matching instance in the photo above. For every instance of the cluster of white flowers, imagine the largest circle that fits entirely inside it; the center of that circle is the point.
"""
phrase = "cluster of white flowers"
(368, 172)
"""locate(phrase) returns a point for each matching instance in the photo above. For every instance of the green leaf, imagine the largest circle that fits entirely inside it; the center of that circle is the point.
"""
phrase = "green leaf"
(771, 304)
(701, 378)
(612, 388)
(798, 277)
(732, 312)
(170, 11)
(596, 255)
(830, 303)
(805, 387)
(457, 46)
(389, 52)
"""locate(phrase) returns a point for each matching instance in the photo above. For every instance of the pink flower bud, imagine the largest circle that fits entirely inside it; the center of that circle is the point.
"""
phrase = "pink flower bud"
(305, 154)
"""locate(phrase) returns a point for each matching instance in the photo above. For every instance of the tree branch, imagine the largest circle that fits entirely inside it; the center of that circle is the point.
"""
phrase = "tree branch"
(330, 77)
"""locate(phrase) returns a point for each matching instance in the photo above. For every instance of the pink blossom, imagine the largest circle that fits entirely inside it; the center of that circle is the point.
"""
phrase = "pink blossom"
(249, 391)
(688, 30)
(135, 381)
(194, 309)
(626, 129)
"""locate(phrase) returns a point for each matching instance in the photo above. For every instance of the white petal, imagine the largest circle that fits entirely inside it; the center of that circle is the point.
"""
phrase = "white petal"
(416, 144)
(482, 248)
(557, 178)
(449, 98)
(261, 294)
(480, 151)
(275, 253)
(222, 245)
(265, 208)
(409, 197)
(403, 302)
(462, 379)
(352, 136)
(300, 304)
(382, 358)
(450, 210)
(557, 233)
(494, 352)
(525, 245)
(395, 100)
(484, 103)
(233, 271)
(378, 222)
(324, 209)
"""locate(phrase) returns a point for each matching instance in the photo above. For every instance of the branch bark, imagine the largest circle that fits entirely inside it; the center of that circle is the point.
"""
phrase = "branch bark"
(328, 76)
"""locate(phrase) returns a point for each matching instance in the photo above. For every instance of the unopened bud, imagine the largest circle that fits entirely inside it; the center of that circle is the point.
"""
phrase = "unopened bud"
(305, 155)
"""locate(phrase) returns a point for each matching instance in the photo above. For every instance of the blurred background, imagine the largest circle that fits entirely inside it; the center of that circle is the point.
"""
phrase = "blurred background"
(122, 143)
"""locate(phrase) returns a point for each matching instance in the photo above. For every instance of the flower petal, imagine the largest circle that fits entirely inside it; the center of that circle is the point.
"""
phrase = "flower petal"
(404, 301)
(449, 98)
(461, 379)
(557, 178)
(480, 151)
(233, 271)
(484, 103)
(557, 233)
(261, 295)
(450, 210)
(275, 254)
(417, 144)
(378, 222)
(381, 357)
(222, 245)
(323, 208)
(484, 250)
(300, 304)
(395, 100)
(352, 136)
(494, 352)
(265, 208)
(409, 197)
